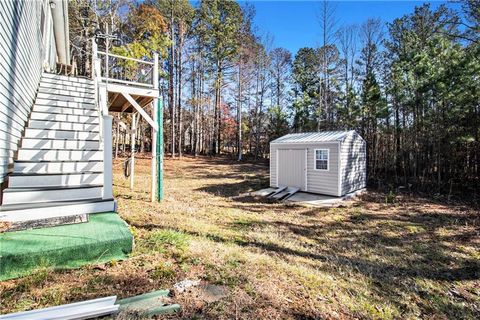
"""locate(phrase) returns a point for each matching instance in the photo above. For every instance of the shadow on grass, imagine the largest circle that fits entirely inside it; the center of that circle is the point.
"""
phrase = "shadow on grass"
(432, 262)
(229, 190)
(406, 255)
(399, 259)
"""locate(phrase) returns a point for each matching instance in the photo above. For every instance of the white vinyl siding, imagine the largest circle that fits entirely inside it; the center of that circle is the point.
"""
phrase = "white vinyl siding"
(353, 157)
(273, 166)
(318, 181)
(20, 70)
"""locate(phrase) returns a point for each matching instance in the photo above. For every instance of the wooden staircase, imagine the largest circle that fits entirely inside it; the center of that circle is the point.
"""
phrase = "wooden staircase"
(57, 175)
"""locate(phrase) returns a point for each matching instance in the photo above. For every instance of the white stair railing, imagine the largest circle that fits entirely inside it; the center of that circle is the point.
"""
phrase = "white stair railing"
(126, 70)
(105, 120)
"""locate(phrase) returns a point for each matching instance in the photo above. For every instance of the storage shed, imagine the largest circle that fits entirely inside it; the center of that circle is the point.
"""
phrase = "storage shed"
(330, 162)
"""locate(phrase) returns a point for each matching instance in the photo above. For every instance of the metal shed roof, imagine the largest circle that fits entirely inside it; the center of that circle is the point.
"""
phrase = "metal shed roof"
(309, 137)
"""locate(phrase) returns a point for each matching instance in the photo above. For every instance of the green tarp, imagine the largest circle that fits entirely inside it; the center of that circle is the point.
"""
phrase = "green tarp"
(104, 238)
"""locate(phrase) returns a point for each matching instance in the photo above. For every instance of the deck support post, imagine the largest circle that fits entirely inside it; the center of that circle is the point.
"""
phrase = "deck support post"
(132, 151)
(154, 153)
(107, 157)
(155, 131)
(105, 142)
(160, 149)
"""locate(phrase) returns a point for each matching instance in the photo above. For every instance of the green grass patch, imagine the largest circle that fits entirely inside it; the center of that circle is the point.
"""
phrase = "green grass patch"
(163, 240)
(163, 270)
(413, 229)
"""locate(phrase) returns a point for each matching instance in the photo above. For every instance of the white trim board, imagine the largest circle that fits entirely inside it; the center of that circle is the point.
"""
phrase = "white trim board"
(276, 167)
(145, 92)
(339, 169)
(306, 169)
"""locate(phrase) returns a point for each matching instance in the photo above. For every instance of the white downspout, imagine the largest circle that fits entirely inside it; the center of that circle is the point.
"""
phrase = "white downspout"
(60, 29)
(66, 27)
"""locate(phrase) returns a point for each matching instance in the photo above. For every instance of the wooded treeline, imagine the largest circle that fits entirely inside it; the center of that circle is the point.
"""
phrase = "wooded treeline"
(411, 88)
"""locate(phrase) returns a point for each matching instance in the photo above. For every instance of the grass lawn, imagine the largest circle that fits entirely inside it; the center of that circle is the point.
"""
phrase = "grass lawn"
(410, 259)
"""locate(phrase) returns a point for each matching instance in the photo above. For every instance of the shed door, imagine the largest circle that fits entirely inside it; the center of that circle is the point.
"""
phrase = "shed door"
(291, 168)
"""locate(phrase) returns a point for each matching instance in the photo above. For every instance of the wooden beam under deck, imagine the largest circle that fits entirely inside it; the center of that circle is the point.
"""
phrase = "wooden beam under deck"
(118, 102)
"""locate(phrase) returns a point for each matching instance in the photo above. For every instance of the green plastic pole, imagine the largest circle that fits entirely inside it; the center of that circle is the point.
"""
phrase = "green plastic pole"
(160, 150)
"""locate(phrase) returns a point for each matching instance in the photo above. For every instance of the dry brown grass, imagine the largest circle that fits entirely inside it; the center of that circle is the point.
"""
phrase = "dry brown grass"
(370, 260)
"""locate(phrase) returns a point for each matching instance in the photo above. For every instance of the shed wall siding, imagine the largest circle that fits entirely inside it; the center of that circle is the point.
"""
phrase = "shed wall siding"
(21, 51)
(273, 166)
(354, 171)
(322, 182)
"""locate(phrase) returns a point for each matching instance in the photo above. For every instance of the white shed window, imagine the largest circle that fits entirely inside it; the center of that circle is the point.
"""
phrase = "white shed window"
(321, 159)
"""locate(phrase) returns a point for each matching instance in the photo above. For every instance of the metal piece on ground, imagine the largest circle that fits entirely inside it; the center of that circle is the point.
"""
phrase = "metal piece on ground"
(283, 193)
(291, 192)
(260, 193)
(148, 304)
(79, 310)
(280, 189)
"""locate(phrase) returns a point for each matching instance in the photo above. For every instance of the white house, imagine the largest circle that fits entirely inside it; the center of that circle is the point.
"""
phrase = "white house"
(55, 130)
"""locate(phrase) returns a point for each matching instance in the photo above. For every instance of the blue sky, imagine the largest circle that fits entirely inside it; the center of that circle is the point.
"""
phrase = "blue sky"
(294, 24)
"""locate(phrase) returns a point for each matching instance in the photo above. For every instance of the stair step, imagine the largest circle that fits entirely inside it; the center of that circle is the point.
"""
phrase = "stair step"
(32, 143)
(66, 78)
(55, 180)
(26, 216)
(42, 195)
(65, 110)
(61, 134)
(89, 104)
(57, 166)
(68, 98)
(50, 83)
(58, 175)
(69, 92)
(58, 125)
(35, 115)
(59, 155)
(59, 85)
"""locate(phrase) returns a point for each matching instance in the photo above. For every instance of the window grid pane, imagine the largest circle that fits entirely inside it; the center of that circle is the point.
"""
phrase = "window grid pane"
(321, 159)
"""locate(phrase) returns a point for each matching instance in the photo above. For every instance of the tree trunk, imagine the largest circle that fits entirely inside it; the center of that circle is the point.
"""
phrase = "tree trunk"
(171, 92)
(257, 102)
(219, 116)
(195, 110)
(179, 92)
(239, 113)
(216, 125)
